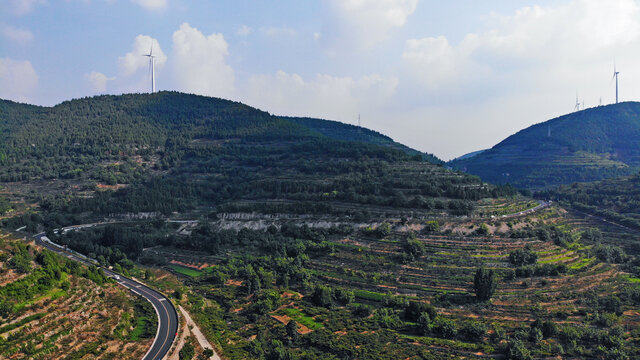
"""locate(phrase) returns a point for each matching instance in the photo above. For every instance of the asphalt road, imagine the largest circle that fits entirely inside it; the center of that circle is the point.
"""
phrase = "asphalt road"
(167, 314)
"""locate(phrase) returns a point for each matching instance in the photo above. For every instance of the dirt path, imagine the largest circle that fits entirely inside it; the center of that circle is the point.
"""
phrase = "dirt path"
(204, 343)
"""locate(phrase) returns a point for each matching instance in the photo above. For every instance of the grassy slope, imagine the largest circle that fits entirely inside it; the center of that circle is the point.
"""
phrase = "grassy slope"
(588, 145)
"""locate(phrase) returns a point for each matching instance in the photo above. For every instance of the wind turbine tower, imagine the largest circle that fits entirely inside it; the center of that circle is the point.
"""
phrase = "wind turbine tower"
(615, 76)
(152, 67)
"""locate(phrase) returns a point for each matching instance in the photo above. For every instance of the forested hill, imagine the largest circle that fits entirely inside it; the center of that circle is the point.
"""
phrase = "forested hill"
(341, 131)
(171, 152)
(588, 145)
(129, 124)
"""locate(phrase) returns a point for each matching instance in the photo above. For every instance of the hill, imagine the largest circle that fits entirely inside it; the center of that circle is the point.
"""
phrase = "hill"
(588, 145)
(341, 131)
(171, 152)
(306, 241)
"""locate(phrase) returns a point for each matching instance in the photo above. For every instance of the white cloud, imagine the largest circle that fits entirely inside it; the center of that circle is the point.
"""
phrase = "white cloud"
(98, 81)
(365, 23)
(18, 80)
(244, 30)
(525, 68)
(154, 5)
(20, 36)
(533, 40)
(317, 36)
(135, 60)
(324, 96)
(199, 63)
(22, 7)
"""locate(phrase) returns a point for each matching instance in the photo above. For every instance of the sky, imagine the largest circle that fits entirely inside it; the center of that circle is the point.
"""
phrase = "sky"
(444, 77)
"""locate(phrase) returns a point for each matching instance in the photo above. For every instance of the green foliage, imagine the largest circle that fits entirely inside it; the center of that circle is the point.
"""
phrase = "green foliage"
(145, 320)
(516, 350)
(584, 146)
(341, 131)
(416, 309)
(431, 226)
(609, 253)
(323, 296)
(484, 284)
(525, 256)
(21, 259)
(444, 327)
(414, 248)
(187, 352)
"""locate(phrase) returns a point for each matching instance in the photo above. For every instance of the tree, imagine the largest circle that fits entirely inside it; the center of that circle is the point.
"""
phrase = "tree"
(517, 351)
(292, 331)
(424, 323)
(207, 353)
(522, 257)
(187, 351)
(484, 284)
(323, 296)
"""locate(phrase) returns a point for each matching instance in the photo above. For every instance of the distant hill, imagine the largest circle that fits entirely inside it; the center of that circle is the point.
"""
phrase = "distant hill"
(469, 155)
(588, 145)
(341, 131)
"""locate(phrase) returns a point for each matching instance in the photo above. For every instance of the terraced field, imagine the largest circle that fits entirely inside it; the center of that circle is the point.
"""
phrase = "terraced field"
(76, 315)
(567, 302)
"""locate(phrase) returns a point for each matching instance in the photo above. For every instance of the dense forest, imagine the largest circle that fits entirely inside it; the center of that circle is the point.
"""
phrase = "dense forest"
(587, 145)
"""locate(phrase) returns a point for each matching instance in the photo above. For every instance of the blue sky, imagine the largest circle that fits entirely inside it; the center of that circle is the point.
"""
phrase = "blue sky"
(447, 77)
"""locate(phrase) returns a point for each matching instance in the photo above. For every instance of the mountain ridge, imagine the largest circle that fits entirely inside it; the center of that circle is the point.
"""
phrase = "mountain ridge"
(588, 145)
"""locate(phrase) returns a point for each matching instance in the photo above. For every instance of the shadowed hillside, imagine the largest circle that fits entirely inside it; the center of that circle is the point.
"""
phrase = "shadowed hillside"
(587, 145)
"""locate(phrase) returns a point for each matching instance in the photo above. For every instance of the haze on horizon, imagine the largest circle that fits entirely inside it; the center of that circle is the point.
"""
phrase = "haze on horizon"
(445, 78)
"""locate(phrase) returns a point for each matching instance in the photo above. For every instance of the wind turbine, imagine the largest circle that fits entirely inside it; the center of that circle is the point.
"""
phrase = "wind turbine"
(152, 67)
(615, 76)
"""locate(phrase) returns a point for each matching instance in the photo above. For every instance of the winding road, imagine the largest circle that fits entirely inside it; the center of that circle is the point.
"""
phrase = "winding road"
(167, 314)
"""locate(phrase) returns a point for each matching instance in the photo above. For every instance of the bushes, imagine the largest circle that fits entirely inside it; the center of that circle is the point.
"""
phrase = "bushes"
(610, 254)
(415, 310)
(474, 330)
(541, 270)
(445, 328)
(516, 350)
(414, 249)
(522, 257)
(325, 296)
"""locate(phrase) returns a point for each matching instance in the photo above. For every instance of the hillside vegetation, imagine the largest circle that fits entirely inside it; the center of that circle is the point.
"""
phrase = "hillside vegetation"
(172, 152)
(341, 131)
(588, 145)
(616, 199)
(52, 307)
(310, 239)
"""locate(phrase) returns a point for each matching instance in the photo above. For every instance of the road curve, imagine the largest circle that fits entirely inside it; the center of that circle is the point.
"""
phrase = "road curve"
(167, 314)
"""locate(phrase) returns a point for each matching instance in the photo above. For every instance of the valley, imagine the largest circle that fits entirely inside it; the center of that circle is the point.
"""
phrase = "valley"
(299, 238)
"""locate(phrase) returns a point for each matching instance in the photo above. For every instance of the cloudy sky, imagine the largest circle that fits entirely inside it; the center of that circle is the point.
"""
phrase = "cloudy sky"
(446, 77)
